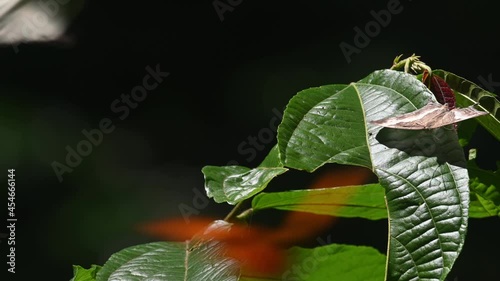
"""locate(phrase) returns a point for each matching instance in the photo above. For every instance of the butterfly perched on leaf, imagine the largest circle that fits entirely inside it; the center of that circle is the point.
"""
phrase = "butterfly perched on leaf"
(431, 116)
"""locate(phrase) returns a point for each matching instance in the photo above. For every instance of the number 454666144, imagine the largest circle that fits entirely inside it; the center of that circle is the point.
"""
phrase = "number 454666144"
(11, 175)
(12, 191)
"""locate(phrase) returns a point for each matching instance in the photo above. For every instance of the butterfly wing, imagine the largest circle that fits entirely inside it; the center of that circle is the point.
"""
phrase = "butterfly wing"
(461, 114)
(431, 116)
(456, 115)
(423, 118)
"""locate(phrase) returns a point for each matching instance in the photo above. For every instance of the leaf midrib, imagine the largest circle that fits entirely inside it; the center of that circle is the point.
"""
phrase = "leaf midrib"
(428, 210)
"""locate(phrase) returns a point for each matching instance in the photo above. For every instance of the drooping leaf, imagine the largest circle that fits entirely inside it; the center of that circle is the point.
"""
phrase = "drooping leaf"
(83, 274)
(423, 172)
(336, 262)
(240, 187)
(468, 93)
(215, 177)
(233, 184)
(363, 201)
(191, 260)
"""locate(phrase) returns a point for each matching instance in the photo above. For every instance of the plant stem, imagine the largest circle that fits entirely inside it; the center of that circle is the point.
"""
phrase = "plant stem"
(244, 215)
(234, 211)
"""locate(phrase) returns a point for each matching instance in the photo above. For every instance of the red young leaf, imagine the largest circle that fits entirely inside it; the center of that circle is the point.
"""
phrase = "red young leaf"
(443, 93)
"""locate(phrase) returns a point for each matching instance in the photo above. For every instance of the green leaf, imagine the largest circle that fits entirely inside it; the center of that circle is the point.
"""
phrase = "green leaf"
(233, 184)
(272, 159)
(468, 93)
(82, 274)
(485, 200)
(336, 262)
(240, 187)
(320, 126)
(189, 261)
(423, 172)
(215, 177)
(364, 201)
(485, 192)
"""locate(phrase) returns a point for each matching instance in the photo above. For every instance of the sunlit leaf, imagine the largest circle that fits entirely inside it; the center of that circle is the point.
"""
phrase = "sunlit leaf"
(364, 201)
(336, 262)
(82, 274)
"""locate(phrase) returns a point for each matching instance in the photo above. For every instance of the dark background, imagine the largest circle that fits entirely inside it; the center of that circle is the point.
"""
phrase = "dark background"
(226, 77)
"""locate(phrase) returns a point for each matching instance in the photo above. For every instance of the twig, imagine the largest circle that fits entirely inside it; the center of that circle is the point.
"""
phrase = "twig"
(234, 211)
